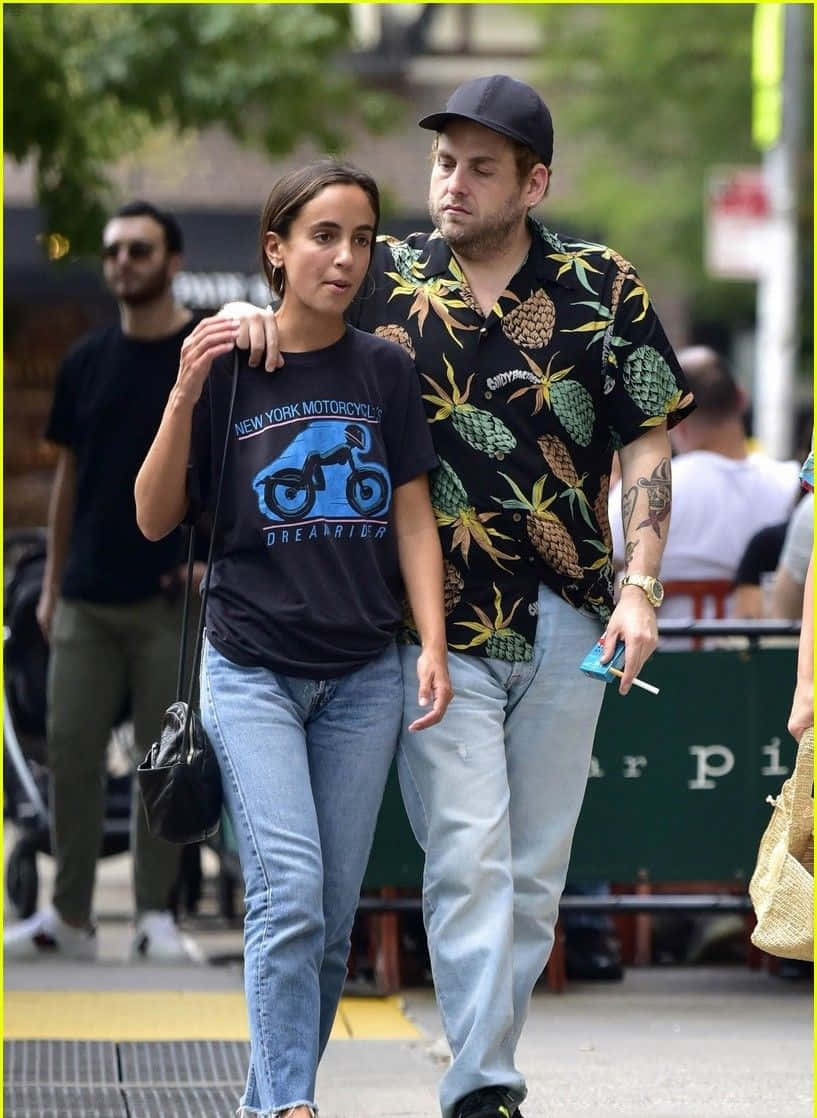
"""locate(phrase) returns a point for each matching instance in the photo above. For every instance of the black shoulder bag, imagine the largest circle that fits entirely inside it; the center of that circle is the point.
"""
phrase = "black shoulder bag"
(179, 779)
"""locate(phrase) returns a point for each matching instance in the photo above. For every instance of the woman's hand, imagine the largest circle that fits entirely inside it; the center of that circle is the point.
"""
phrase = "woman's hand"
(434, 686)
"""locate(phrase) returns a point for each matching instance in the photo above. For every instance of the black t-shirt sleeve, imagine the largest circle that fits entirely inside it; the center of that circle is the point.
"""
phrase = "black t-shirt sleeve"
(61, 425)
(761, 555)
(405, 427)
(199, 463)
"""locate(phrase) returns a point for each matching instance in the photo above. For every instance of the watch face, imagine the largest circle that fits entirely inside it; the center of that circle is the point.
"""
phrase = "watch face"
(658, 592)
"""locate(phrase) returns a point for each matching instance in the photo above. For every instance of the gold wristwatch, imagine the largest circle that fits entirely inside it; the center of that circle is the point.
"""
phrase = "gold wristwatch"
(651, 587)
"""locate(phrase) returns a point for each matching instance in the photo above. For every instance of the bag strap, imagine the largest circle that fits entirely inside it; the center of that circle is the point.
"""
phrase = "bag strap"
(190, 562)
(801, 824)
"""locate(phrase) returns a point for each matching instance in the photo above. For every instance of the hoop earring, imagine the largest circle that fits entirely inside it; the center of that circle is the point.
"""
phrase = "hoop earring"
(275, 286)
(368, 294)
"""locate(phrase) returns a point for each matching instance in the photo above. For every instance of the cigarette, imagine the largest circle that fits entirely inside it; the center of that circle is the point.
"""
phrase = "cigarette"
(636, 682)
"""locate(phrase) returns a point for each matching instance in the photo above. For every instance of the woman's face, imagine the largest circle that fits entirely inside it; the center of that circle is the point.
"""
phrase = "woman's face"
(327, 250)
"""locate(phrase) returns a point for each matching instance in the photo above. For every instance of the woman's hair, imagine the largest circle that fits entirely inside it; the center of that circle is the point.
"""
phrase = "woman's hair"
(292, 192)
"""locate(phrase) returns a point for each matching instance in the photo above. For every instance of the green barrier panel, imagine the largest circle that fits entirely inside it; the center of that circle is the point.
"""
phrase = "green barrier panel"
(678, 781)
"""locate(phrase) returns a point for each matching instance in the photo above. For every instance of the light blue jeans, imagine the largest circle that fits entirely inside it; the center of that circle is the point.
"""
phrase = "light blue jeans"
(303, 765)
(493, 794)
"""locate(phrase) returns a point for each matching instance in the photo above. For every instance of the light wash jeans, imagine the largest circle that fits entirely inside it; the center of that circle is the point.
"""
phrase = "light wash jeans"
(493, 794)
(303, 765)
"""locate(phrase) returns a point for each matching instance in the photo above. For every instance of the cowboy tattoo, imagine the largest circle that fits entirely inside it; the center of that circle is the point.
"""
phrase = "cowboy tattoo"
(659, 496)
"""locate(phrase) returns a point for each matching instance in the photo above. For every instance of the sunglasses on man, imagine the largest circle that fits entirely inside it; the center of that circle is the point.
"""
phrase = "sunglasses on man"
(135, 250)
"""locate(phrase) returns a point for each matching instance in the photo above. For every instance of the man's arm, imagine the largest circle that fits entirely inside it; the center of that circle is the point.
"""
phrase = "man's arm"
(646, 500)
(60, 518)
(787, 596)
(802, 709)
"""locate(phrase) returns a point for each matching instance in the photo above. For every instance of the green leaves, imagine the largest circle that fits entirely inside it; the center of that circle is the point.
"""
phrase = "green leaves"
(646, 97)
(85, 85)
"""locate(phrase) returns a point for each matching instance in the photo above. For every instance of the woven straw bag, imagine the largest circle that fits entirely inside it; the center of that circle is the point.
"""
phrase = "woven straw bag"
(782, 886)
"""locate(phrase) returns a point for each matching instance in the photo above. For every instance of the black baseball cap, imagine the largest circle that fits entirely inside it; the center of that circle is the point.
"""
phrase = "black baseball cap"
(503, 104)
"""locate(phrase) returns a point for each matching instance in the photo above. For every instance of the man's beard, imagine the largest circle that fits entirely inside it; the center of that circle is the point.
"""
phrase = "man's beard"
(479, 242)
(152, 288)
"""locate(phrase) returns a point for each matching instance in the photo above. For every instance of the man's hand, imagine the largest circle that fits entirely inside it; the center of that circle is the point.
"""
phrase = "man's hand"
(434, 686)
(45, 611)
(633, 621)
(258, 332)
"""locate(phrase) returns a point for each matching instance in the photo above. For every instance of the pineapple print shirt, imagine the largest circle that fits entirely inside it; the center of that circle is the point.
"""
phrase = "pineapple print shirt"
(526, 407)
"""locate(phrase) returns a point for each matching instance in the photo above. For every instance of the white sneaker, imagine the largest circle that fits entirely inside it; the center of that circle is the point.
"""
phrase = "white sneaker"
(45, 934)
(157, 939)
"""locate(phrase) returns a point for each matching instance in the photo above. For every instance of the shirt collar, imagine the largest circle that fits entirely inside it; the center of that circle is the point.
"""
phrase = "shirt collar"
(548, 256)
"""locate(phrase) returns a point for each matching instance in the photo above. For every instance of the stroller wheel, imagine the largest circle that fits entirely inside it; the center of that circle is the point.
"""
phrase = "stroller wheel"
(22, 883)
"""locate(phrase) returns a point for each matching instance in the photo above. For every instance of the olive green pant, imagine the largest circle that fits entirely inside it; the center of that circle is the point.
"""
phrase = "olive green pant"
(100, 655)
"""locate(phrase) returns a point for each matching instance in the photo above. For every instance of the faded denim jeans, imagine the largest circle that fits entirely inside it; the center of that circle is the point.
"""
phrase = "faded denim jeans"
(303, 765)
(493, 794)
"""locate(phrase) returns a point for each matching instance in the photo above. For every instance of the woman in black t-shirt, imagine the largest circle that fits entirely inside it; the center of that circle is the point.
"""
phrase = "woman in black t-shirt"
(325, 519)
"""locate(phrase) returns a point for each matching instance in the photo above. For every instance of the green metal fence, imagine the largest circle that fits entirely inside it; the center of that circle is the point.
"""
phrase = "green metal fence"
(678, 781)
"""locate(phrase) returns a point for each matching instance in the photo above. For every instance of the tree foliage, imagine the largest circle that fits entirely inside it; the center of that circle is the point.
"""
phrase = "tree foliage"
(85, 83)
(648, 98)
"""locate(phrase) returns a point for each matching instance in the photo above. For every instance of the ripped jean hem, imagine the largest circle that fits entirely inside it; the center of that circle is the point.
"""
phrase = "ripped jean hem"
(278, 1112)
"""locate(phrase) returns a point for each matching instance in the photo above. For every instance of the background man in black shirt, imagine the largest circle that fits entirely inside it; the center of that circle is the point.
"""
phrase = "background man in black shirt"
(109, 605)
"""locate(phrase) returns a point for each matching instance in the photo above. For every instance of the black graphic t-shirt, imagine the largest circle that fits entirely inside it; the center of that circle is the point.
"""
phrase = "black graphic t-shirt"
(305, 578)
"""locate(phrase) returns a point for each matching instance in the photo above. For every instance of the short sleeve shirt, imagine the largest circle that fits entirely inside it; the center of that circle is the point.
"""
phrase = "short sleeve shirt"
(110, 395)
(799, 541)
(526, 406)
(305, 578)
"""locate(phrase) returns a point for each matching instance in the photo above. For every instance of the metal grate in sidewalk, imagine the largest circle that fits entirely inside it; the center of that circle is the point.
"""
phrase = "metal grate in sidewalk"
(39, 1100)
(101, 1079)
(184, 1062)
(181, 1102)
(63, 1062)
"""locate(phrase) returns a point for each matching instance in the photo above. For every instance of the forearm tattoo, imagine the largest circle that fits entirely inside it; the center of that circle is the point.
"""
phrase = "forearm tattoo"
(659, 502)
(659, 496)
(628, 507)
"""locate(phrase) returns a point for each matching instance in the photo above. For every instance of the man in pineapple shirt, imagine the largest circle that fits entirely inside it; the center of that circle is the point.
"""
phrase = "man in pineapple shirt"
(538, 358)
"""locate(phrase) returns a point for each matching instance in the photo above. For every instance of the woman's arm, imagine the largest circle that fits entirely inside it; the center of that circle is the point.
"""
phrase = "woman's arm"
(421, 564)
(160, 490)
(802, 709)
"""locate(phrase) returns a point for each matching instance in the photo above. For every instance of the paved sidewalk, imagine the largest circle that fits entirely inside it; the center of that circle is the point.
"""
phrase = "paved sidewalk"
(703, 1042)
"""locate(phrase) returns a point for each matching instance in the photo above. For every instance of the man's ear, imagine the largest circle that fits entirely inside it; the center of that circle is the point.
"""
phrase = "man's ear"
(537, 186)
(175, 261)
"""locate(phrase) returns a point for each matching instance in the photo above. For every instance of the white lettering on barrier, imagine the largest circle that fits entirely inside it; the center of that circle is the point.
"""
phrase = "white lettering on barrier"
(773, 768)
(633, 766)
(707, 769)
(595, 769)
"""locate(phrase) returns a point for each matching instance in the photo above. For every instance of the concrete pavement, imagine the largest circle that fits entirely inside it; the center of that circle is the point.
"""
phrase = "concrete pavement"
(702, 1042)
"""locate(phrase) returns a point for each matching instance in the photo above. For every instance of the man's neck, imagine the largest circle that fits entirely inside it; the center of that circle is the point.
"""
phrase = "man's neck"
(728, 441)
(157, 319)
(489, 275)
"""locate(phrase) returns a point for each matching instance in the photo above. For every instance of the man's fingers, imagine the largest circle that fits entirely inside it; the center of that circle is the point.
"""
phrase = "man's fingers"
(256, 339)
(272, 343)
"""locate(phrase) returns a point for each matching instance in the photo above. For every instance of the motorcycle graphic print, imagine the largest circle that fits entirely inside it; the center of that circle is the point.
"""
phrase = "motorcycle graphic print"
(323, 474)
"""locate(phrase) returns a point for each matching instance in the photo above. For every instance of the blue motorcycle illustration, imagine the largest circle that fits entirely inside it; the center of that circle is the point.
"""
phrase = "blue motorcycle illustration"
(289, 491)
